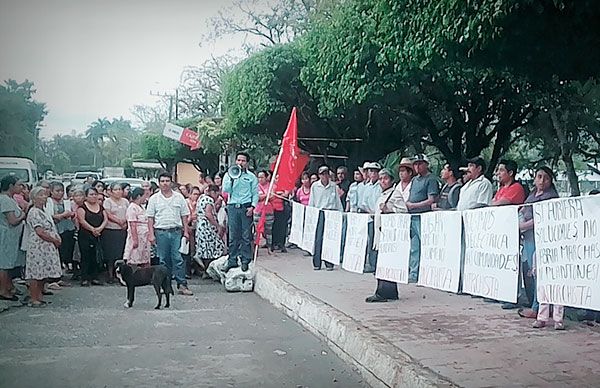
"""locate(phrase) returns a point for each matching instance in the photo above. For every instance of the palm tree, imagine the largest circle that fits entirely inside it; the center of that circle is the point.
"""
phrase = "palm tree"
(96, 133)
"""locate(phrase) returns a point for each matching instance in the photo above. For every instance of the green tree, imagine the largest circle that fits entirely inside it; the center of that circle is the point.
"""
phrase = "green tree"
(97, 133)
(169, 152)
(20, 119)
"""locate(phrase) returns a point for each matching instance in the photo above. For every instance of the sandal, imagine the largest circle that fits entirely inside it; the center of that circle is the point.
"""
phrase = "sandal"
(54, 286)
(62, 283)
(539, 324)
(36, 305)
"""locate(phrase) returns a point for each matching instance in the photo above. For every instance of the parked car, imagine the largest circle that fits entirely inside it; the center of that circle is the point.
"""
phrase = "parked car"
(133, 182)
(81, 176)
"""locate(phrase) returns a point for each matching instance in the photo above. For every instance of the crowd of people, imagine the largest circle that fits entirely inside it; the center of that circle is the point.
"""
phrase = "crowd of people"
(49, 231)
(44, 231)
(374, 191)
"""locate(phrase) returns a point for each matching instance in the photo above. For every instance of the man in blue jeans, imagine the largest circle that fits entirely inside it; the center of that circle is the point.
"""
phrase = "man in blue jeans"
(167, 221)
(243, 197)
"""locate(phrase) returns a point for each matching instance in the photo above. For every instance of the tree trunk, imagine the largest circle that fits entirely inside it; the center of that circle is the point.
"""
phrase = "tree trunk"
(571, 174)
(566, 154)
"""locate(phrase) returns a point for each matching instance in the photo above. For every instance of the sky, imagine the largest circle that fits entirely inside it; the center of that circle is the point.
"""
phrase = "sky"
(91, 59)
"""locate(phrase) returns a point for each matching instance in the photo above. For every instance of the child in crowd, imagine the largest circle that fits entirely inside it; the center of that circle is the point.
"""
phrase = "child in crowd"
(543, 315)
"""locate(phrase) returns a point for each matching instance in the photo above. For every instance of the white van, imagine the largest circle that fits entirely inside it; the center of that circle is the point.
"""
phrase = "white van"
(22, 168)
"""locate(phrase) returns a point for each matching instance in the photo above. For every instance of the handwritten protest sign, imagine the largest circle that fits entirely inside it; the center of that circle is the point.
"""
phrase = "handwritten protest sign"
(567, 239)
(297, 223)
(394, 248)
(311, 219)
(357, 236)
(440, 250)
(491, 266)
(332, 237)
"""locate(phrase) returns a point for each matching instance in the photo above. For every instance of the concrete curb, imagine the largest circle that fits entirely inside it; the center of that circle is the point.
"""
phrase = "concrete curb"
(380, 363)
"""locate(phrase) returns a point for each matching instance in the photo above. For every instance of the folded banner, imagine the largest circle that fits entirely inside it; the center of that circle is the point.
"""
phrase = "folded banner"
(332, 237)
(355, 248)
(441, 251)
(297, 223)
(567, 241)
(394, 248)
(311, 219)
(491, 267)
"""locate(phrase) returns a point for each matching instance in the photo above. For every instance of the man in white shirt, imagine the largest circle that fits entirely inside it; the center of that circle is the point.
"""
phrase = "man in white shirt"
(372, 193)
(478, 191)
(323, 195)
(167, 221)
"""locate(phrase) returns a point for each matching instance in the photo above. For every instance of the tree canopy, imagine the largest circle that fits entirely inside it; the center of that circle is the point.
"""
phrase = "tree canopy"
(457, 78)
(20, 119)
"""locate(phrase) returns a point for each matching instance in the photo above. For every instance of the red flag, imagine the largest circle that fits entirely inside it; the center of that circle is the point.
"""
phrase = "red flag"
(292, 160)
(260, 227)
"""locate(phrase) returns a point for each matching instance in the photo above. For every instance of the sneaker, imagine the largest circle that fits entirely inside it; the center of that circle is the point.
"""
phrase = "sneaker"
(329, 268)
(244, 267)
(510, 306)
(559, 326)
(317, 268)
(539, 324)
(185, 291)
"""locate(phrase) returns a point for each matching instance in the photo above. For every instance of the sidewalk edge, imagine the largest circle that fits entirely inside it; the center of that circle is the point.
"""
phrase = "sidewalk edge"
(380, 363)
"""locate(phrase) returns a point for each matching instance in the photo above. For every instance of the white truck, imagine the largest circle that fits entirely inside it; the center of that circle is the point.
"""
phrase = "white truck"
(113, 172)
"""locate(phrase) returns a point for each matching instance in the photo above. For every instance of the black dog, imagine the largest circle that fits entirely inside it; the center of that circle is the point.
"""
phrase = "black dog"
(157, 275)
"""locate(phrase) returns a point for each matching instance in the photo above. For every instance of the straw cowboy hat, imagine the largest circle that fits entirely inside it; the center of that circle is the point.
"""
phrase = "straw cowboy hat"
(406, 162)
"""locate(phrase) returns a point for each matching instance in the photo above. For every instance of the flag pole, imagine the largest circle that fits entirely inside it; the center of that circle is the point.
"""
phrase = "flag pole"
(271, 184)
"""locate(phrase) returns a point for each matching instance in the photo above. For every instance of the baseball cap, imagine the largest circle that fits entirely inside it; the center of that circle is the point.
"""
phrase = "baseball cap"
(372, 166)
(421, 158)
(323, 169)
(478, 161)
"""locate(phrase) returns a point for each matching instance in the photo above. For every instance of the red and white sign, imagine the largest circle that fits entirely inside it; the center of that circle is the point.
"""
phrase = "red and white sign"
(183, 135)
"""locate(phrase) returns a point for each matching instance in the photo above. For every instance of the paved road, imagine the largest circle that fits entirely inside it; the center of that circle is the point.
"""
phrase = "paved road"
(85, 338)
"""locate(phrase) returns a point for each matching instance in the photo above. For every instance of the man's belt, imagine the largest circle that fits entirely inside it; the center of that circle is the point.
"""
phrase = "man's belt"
(175, 228)
(240, 205)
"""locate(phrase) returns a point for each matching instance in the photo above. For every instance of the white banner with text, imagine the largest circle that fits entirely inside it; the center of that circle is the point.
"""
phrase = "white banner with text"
(311, 219)
(355, 248)
(394, 248)
(332, 237)
(491, 264)
(297, 223)
(441, 233)
(567, 260)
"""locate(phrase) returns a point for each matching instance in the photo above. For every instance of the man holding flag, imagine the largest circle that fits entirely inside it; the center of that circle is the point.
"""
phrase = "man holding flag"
(288, 167)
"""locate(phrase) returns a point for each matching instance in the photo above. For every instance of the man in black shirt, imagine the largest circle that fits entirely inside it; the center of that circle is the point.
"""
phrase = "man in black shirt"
(449, 194)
